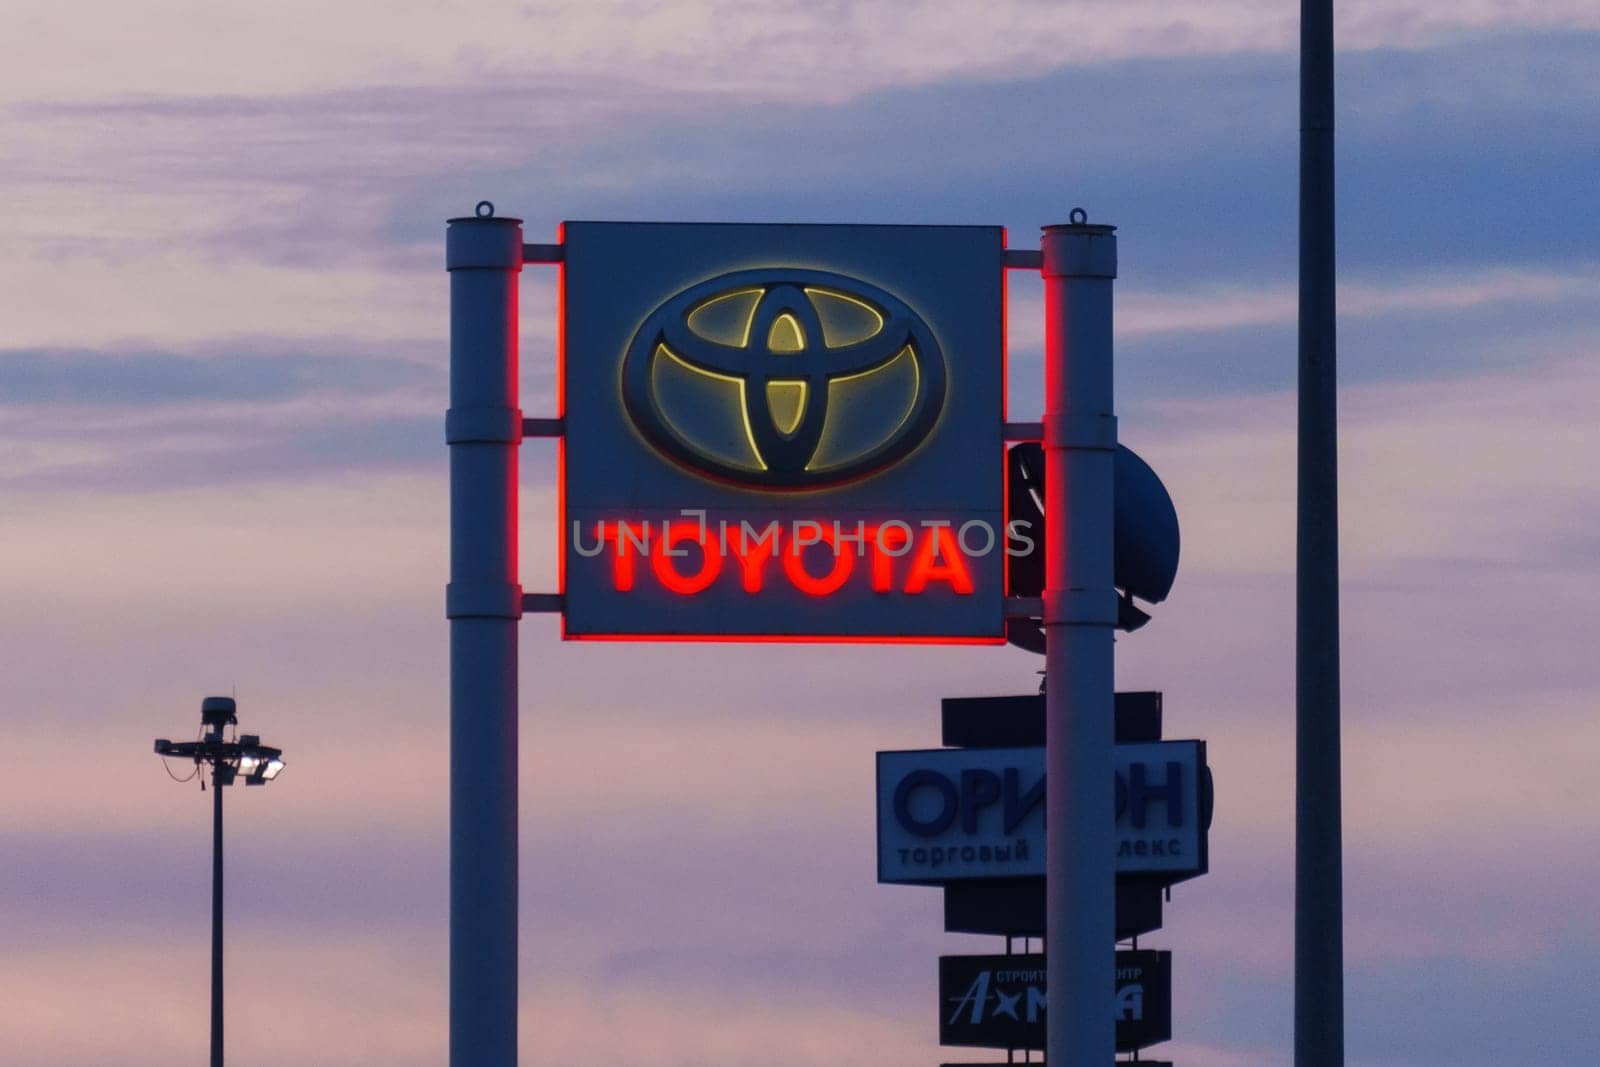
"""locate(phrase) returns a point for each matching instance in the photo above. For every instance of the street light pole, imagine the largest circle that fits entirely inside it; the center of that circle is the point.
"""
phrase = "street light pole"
(216, 915)
(1319, 866)
(228, 759)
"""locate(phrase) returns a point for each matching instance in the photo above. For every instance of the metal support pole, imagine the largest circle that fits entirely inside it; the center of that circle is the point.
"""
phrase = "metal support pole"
(1318, 882)
(1080, 613)
(483, 602)
(216, 914)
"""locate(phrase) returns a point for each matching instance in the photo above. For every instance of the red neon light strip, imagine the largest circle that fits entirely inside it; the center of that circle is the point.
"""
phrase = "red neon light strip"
(561, 413)
(1005, 386)
(786, 639)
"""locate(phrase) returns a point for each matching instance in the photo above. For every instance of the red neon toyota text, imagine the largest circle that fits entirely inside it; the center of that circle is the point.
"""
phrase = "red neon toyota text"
(688, 557)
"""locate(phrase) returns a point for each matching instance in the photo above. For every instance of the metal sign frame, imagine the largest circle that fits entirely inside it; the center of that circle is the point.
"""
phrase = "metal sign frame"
(484, 254)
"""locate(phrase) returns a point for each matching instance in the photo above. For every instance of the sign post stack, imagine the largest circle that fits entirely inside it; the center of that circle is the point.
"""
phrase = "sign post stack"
(970, 818)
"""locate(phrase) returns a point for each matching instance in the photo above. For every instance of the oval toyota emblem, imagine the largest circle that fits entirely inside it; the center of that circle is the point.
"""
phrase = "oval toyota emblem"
(784, 379)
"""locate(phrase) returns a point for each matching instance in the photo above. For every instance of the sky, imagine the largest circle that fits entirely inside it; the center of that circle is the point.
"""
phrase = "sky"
(223, 353)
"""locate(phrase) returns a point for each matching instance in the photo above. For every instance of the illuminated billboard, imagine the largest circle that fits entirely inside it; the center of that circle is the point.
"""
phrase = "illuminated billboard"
(783, 432)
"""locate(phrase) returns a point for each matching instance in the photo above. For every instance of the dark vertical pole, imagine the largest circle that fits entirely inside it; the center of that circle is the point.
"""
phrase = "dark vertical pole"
(216, 915)
(1319, 890)
(1079, 266)
(483, 602)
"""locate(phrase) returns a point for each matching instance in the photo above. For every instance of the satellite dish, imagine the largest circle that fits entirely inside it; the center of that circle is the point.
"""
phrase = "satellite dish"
(1145, 537)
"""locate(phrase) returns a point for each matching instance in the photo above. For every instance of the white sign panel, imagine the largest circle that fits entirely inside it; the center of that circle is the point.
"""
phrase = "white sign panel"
(947, 815)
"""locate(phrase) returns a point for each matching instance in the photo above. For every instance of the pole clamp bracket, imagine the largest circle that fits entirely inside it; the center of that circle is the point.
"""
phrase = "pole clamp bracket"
(1080, 607)
(484, 425)
(1024, 607)
(544, 428)
(483, 600)
(544, 253)
(1066, 430)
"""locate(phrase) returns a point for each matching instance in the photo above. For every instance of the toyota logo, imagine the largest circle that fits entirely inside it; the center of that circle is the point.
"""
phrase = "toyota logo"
(784, 379)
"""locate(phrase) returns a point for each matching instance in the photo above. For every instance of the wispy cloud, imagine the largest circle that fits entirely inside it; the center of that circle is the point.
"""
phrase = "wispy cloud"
(760, 47)
(145, 380)
(247, 411)
(1226, 308)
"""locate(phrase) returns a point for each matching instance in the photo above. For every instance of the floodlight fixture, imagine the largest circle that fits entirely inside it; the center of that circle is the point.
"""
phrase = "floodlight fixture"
(228, 758)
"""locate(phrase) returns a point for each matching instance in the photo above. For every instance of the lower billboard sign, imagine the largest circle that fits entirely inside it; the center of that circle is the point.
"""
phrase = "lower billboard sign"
(999, 1001)
(951, 815)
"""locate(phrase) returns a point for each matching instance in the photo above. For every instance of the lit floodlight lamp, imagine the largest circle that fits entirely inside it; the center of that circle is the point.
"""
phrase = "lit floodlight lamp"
(250, 757)
(260, 765)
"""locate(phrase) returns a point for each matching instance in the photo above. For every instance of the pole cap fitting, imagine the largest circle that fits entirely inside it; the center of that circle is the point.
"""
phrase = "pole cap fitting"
(490, 242)
(218, 711)
(1079, 249)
